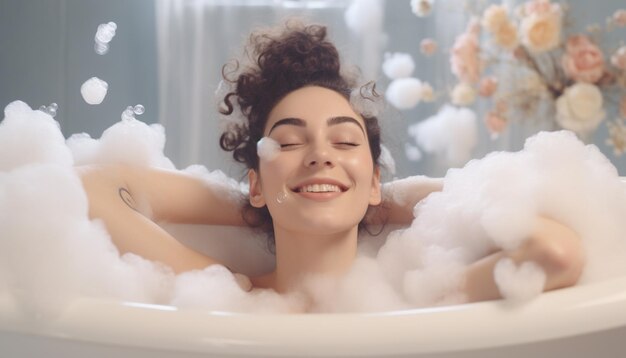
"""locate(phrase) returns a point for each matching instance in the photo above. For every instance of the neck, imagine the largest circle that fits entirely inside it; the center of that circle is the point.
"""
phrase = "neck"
(299, 255)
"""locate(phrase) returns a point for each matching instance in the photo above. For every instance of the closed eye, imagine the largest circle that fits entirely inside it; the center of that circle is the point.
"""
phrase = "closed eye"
(287, 145)
(350, 144)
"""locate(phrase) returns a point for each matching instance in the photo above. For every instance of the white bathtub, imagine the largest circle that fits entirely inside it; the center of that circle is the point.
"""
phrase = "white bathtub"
(581, 321)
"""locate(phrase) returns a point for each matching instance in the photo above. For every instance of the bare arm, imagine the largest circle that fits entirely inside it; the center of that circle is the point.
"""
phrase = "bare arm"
(555, 247)
(115, 202)
(173, 196)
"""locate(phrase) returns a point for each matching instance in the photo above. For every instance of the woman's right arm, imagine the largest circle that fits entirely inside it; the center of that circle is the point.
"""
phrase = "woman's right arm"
(177, 197)
(126, 211)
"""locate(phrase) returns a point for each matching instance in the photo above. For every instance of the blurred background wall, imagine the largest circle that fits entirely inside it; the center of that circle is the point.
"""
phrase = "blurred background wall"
(167, 55)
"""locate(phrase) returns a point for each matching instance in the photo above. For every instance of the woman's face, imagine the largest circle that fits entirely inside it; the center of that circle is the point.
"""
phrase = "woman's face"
(324, 165)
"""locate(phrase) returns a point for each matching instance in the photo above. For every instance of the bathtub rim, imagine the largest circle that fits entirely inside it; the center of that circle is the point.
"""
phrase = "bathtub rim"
(558, 314)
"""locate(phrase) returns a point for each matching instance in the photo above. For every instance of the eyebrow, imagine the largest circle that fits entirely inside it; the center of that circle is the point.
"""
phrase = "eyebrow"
(330, 122)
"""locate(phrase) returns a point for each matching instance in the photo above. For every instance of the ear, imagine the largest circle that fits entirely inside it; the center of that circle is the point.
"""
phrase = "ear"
(256, 198)
(376, 194)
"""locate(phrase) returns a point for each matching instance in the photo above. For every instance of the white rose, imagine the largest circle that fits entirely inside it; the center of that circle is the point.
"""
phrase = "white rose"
(580, 109)
(494, 17)
(541, 32)
(428, 94)
(463, 94)
(422, 8)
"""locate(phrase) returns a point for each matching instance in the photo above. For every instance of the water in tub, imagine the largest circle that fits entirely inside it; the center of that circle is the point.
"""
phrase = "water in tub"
(52, 253)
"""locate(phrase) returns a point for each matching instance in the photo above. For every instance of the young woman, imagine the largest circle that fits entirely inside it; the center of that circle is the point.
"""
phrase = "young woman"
(312, 196)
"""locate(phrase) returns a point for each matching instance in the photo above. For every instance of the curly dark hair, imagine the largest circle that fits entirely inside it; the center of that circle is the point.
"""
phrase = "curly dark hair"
(281, 62)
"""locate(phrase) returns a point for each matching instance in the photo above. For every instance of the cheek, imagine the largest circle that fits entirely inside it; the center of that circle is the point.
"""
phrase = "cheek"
(274, 173)
(360, 166)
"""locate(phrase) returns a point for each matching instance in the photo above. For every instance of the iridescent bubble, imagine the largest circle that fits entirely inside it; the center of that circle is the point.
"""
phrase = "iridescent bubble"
(139, 109)
(281, 197)
(101, 48)
(128, 114)
(50, 110)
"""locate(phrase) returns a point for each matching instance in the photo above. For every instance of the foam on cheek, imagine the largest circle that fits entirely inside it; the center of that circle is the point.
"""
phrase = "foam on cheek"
(267, 148)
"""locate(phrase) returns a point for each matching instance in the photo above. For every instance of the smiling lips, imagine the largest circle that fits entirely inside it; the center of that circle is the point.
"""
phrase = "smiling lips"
(320, 190)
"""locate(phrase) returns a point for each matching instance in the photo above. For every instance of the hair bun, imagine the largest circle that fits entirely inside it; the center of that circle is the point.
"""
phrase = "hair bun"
(303, 53)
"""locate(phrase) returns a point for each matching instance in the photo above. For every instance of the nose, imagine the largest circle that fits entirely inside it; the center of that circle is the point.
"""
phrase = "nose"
(319, 156)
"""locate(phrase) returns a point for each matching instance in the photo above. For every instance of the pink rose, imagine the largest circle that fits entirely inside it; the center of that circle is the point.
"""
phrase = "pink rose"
(583, 60)
(506, 36)
(494, 17)
(464, 60)
(541, 26)
(428, 46)
(619, 58)
(538, 7)
(619, 17)
(495, 123)
(487, 86)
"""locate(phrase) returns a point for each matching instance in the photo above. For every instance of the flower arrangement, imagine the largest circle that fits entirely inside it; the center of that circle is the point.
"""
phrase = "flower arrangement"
(524, 58)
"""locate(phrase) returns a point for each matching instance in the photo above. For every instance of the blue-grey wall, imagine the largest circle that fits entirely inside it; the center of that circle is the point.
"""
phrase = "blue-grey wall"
(47, 52)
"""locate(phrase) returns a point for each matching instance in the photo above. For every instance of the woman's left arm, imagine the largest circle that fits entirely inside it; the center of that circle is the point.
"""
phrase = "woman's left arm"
(555, 247)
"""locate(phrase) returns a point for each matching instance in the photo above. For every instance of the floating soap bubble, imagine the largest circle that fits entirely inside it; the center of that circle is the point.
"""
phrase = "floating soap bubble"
(101, 48)
(398, 65)
(104, 35)
(94, 90)
(106, 32)
(130, 112)
(50, 110)
(139, 109)
(404, 93)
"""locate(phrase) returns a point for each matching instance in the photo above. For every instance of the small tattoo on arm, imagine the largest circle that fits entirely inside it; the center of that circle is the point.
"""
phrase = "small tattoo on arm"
(127, 198)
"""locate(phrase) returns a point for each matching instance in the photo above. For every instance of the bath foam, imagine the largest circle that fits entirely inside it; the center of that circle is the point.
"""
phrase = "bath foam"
(493, 203)
(490, 203)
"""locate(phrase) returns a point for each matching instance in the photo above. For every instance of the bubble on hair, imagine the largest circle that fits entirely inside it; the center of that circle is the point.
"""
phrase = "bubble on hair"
(366, 101)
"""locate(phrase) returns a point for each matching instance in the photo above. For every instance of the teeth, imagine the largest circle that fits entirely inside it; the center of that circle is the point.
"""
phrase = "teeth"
(319, 188)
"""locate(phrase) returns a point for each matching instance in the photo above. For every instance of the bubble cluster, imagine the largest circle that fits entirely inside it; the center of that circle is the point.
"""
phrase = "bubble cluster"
(94, 90)
(104, 35)
(129, 113)
(50, 110)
